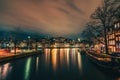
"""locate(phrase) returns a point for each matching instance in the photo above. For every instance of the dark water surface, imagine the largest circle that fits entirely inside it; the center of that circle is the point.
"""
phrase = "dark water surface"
(54, 64)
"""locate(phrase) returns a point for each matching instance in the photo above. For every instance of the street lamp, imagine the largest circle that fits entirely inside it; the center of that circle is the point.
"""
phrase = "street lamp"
(79, 39)
(29, 42)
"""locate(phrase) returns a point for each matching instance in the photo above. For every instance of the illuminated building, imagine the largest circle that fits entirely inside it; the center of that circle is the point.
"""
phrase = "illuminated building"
(113, 37)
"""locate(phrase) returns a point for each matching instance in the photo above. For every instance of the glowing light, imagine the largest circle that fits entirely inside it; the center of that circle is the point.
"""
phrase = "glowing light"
(79, 39)
(29, 37)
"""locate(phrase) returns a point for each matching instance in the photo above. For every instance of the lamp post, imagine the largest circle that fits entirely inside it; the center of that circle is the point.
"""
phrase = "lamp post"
(29, 42)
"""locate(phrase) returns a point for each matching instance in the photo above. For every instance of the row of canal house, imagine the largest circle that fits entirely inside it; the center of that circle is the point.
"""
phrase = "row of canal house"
(113, 37)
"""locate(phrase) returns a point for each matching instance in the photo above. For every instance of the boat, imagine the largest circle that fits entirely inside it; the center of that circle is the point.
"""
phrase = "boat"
(105, 61)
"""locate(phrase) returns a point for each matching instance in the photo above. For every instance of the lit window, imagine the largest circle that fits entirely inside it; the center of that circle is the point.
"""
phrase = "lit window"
(113, 36)
(113, 42)
(116, 38)
(119, 38)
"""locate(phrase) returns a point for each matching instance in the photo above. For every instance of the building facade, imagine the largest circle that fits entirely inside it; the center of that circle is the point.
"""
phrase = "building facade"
(113, 37)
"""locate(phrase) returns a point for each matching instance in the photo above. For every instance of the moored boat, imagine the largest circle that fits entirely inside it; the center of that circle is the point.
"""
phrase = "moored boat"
(105, 61)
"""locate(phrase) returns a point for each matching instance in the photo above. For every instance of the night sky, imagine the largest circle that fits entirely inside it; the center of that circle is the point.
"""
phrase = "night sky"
(51, 17)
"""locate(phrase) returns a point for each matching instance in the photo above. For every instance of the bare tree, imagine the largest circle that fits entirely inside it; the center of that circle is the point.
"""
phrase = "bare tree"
(15, 35)
(106, 15)
(36, 38)
(88, 34)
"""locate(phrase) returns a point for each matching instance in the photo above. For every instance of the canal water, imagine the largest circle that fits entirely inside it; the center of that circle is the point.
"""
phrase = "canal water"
(54, 64)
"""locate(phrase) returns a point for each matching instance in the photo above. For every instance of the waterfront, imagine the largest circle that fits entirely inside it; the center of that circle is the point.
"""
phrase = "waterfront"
(54, 64)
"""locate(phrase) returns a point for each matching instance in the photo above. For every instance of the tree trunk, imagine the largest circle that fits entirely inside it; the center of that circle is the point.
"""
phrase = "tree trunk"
(36, 46)
(105, 38)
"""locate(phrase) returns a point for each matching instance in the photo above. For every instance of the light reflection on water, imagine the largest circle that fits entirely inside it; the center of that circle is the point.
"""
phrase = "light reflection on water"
(54, 59)
(37, 63)
(63, 57)
(27, 68)
(54, 64)
(67, 52)
(4, 70)
(79, 62)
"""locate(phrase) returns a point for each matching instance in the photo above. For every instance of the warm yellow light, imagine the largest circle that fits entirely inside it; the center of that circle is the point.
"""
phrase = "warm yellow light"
(54, 59)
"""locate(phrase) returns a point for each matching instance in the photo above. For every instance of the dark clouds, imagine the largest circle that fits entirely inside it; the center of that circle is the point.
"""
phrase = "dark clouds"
(73, 6)
(55, 17)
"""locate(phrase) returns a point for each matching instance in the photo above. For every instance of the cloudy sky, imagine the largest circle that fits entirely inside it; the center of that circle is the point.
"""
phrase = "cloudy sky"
(53, 17)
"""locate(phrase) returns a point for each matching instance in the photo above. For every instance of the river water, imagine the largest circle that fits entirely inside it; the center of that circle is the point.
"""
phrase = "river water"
(54, 64)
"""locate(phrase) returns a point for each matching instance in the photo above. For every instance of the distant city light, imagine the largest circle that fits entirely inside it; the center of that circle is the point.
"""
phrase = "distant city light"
(29, 37)
(79, 39)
